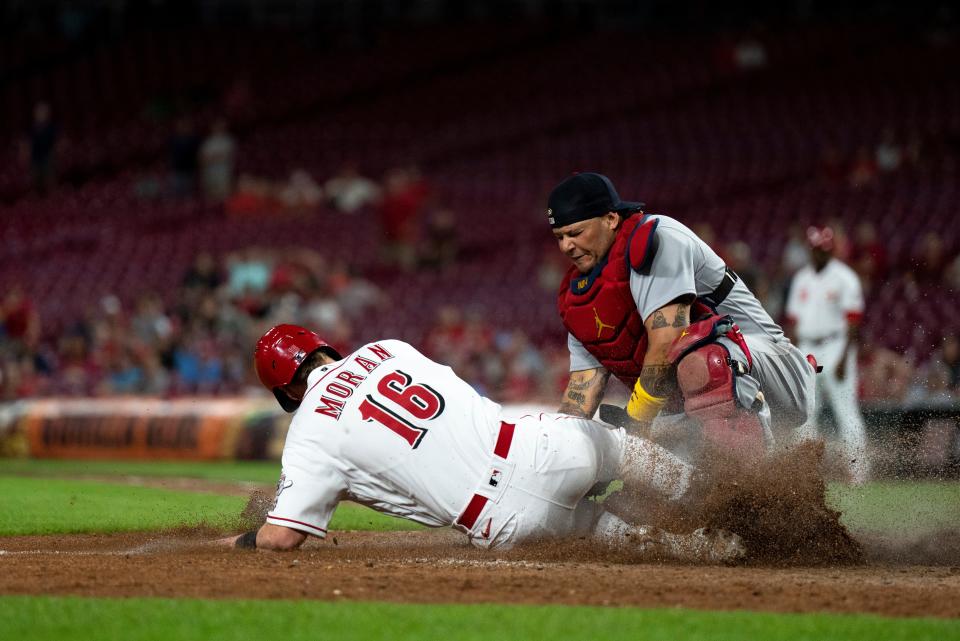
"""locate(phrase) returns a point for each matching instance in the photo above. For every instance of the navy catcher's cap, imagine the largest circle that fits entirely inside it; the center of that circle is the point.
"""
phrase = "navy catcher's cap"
(585, 196)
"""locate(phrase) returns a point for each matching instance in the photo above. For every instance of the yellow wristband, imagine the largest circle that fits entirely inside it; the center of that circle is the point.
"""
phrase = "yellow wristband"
(642, 406)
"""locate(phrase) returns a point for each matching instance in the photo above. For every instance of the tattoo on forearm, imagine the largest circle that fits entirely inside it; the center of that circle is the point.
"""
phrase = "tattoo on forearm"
(584, 393)
(681, 319)
(658, 380)
(659, 320)
(581, 385)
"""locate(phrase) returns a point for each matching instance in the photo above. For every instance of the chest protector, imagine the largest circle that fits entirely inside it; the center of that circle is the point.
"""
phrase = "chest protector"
(598, 308)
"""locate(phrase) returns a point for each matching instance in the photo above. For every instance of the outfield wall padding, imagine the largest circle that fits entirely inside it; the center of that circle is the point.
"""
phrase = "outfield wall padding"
(918, 442)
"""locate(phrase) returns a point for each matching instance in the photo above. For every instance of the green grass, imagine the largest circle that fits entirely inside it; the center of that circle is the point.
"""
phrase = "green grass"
(31, 505)
(907, 506)
(48, 506)
(265, 472)
(903, 506)
(137, 619)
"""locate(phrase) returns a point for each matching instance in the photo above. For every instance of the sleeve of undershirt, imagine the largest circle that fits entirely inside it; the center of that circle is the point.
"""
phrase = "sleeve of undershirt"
(671, 275)
(306, 500)
(793, 297)
(580, 358)
(853, 298)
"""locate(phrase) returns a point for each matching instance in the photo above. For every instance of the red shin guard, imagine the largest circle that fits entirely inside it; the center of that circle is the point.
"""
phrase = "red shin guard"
(706, 380)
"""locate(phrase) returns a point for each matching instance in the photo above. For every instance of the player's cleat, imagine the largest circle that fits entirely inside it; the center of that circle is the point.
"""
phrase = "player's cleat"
(703, 545)
(706, 545)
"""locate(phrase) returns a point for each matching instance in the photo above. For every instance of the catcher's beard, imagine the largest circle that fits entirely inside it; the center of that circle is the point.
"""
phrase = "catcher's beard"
(646, 464)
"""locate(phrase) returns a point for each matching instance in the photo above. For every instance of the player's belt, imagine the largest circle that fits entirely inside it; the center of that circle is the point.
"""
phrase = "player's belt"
(717, 296)
(468, 518)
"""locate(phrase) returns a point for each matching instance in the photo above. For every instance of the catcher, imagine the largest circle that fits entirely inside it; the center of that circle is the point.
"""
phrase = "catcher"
(649, 302)
(390, 429)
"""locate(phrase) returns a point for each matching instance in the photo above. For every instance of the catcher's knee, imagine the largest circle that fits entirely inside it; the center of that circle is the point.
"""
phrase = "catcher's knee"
(707, 381)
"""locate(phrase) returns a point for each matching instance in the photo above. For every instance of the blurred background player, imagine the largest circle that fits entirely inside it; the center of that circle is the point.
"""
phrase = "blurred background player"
(824, 310)
(643, 301)
(390, 429)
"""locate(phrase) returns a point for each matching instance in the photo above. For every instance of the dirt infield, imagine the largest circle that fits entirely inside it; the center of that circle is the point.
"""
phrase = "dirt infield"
(800, 559)
(439, 567)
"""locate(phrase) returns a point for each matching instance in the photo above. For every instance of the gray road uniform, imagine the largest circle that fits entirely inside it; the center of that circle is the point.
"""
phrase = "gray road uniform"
(684, 265)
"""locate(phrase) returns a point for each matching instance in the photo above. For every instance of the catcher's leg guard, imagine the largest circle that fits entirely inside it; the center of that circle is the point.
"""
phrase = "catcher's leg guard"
(706, 380)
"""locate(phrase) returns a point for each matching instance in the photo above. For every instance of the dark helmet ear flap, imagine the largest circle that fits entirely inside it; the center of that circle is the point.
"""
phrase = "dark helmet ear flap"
(331, 352)
(288, 404)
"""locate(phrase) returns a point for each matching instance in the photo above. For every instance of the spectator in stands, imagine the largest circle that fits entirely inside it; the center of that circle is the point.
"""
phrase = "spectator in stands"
(203, 273)
(198, 364)
(446, 336)
(550, 269)
(217, 158)
(739, 258)
(938, 381)
(348, 191)
(123, 375)
(150, 324)
(155, 377)
(523, 366)
(356, 295)
(19, 377)
(441, 243)
(252, 197)
(147, 186)
(79, 370)
(19, 318)
(795, 253)
(184, 145)
(749, 54)
(237, 100)
(885, 376)
(41, 145)
(889, 153)
(930, 388)
(324, 312)
(913, 151)
(478, 331)
(248, 270)
(405, 194)
(949, 360)
(868, 255)
(863, 171)
(300, 271)
(951, 273)
(833, 169)
(929, 262)
(301, 193)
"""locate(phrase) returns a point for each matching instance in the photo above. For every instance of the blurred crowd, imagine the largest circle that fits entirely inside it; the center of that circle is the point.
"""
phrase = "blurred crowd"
(416, 230)
(197, 340)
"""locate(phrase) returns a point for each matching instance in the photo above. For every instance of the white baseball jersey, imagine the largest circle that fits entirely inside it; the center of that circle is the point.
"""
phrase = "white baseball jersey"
(388, 428)
(822, 303)
(684, 265)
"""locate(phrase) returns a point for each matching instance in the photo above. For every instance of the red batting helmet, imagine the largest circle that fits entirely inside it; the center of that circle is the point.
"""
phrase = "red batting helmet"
(820, 237)
(279, 354)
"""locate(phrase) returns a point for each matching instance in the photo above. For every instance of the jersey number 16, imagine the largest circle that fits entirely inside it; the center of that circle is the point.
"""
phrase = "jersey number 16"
(399, 392)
